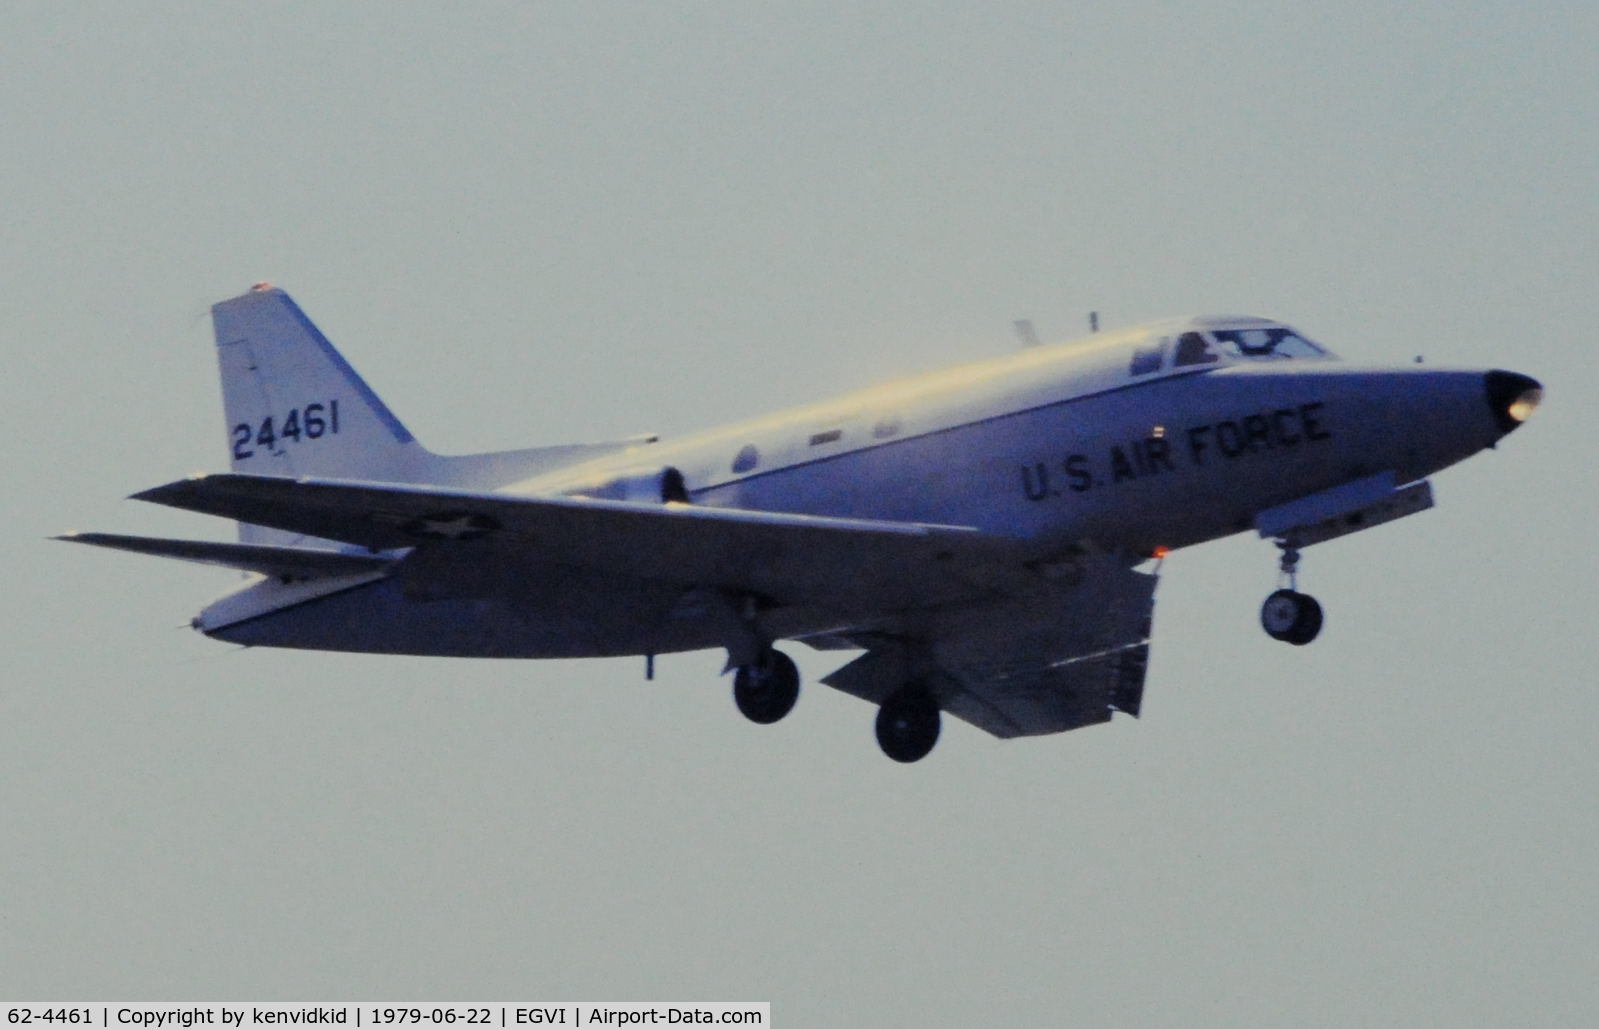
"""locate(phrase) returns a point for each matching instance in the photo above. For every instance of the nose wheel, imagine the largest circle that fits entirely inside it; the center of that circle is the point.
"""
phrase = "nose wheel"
(1289, 615)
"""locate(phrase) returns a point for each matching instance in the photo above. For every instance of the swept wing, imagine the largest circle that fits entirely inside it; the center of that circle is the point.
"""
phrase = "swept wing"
(843, 562)
(1006, 648)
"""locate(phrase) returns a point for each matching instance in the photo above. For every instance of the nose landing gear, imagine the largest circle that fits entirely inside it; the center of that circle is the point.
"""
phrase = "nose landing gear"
(1289, 615)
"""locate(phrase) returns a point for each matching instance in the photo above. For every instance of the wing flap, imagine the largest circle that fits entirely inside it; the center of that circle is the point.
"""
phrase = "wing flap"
(1053, 660)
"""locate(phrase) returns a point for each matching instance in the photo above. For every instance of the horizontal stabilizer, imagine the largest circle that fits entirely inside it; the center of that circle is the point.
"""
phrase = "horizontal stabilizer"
(294, 562)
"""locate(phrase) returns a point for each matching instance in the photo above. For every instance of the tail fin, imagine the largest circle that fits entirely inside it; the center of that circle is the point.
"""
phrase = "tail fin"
(295, 407)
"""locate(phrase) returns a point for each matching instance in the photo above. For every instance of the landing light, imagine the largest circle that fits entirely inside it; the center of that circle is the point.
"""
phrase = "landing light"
(1524, 405)
(1512, 398)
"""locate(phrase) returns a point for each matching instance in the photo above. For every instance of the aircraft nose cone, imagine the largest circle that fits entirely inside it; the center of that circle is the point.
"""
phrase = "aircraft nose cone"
(1512, 398)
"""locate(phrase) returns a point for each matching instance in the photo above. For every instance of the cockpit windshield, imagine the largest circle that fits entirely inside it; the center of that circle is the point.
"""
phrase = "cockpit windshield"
(1201, 345)
(1272, 342)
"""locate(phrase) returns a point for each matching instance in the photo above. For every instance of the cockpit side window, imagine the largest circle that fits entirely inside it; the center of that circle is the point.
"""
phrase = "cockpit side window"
(1276, 342)
(1149, 357)
(1192, 349)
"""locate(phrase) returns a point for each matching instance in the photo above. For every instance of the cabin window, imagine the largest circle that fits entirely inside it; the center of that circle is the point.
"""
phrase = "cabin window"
(746, 459)
(1149, 357)
(887, 427)
(830, 436)
(1192, 349)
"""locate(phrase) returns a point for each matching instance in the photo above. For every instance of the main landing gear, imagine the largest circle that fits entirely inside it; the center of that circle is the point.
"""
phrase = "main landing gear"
(766, 690)
(1287, 614)
(908, 723)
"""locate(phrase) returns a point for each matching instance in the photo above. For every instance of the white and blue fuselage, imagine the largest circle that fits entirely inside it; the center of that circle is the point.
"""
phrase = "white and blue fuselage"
(957, 526)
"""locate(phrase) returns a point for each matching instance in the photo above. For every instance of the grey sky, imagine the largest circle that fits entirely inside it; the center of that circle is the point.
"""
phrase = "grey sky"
(537, 223)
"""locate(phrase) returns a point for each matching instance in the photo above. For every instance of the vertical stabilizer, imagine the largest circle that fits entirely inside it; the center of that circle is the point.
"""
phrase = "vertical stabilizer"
(295, 407)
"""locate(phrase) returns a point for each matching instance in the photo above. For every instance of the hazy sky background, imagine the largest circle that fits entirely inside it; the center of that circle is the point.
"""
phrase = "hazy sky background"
(546, 222)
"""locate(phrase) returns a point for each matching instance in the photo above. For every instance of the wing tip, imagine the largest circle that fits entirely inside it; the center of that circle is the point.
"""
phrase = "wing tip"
(156, 494)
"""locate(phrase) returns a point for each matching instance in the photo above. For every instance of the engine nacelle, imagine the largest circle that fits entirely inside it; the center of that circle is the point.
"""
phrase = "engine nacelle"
(663, 485)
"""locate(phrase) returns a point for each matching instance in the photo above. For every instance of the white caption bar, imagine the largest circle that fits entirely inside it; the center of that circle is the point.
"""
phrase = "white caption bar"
(367, 1015)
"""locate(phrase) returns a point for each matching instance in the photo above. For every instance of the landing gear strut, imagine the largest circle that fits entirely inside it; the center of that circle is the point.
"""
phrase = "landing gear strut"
(1289, 615)
(908, 723)
(766, 690)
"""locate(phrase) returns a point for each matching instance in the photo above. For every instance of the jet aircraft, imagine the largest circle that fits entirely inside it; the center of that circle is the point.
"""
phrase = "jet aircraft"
(987, 537)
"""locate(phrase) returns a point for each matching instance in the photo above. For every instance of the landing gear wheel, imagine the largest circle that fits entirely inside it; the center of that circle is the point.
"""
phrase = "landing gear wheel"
(1291, 616)
(766, 690)
(907, 724)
